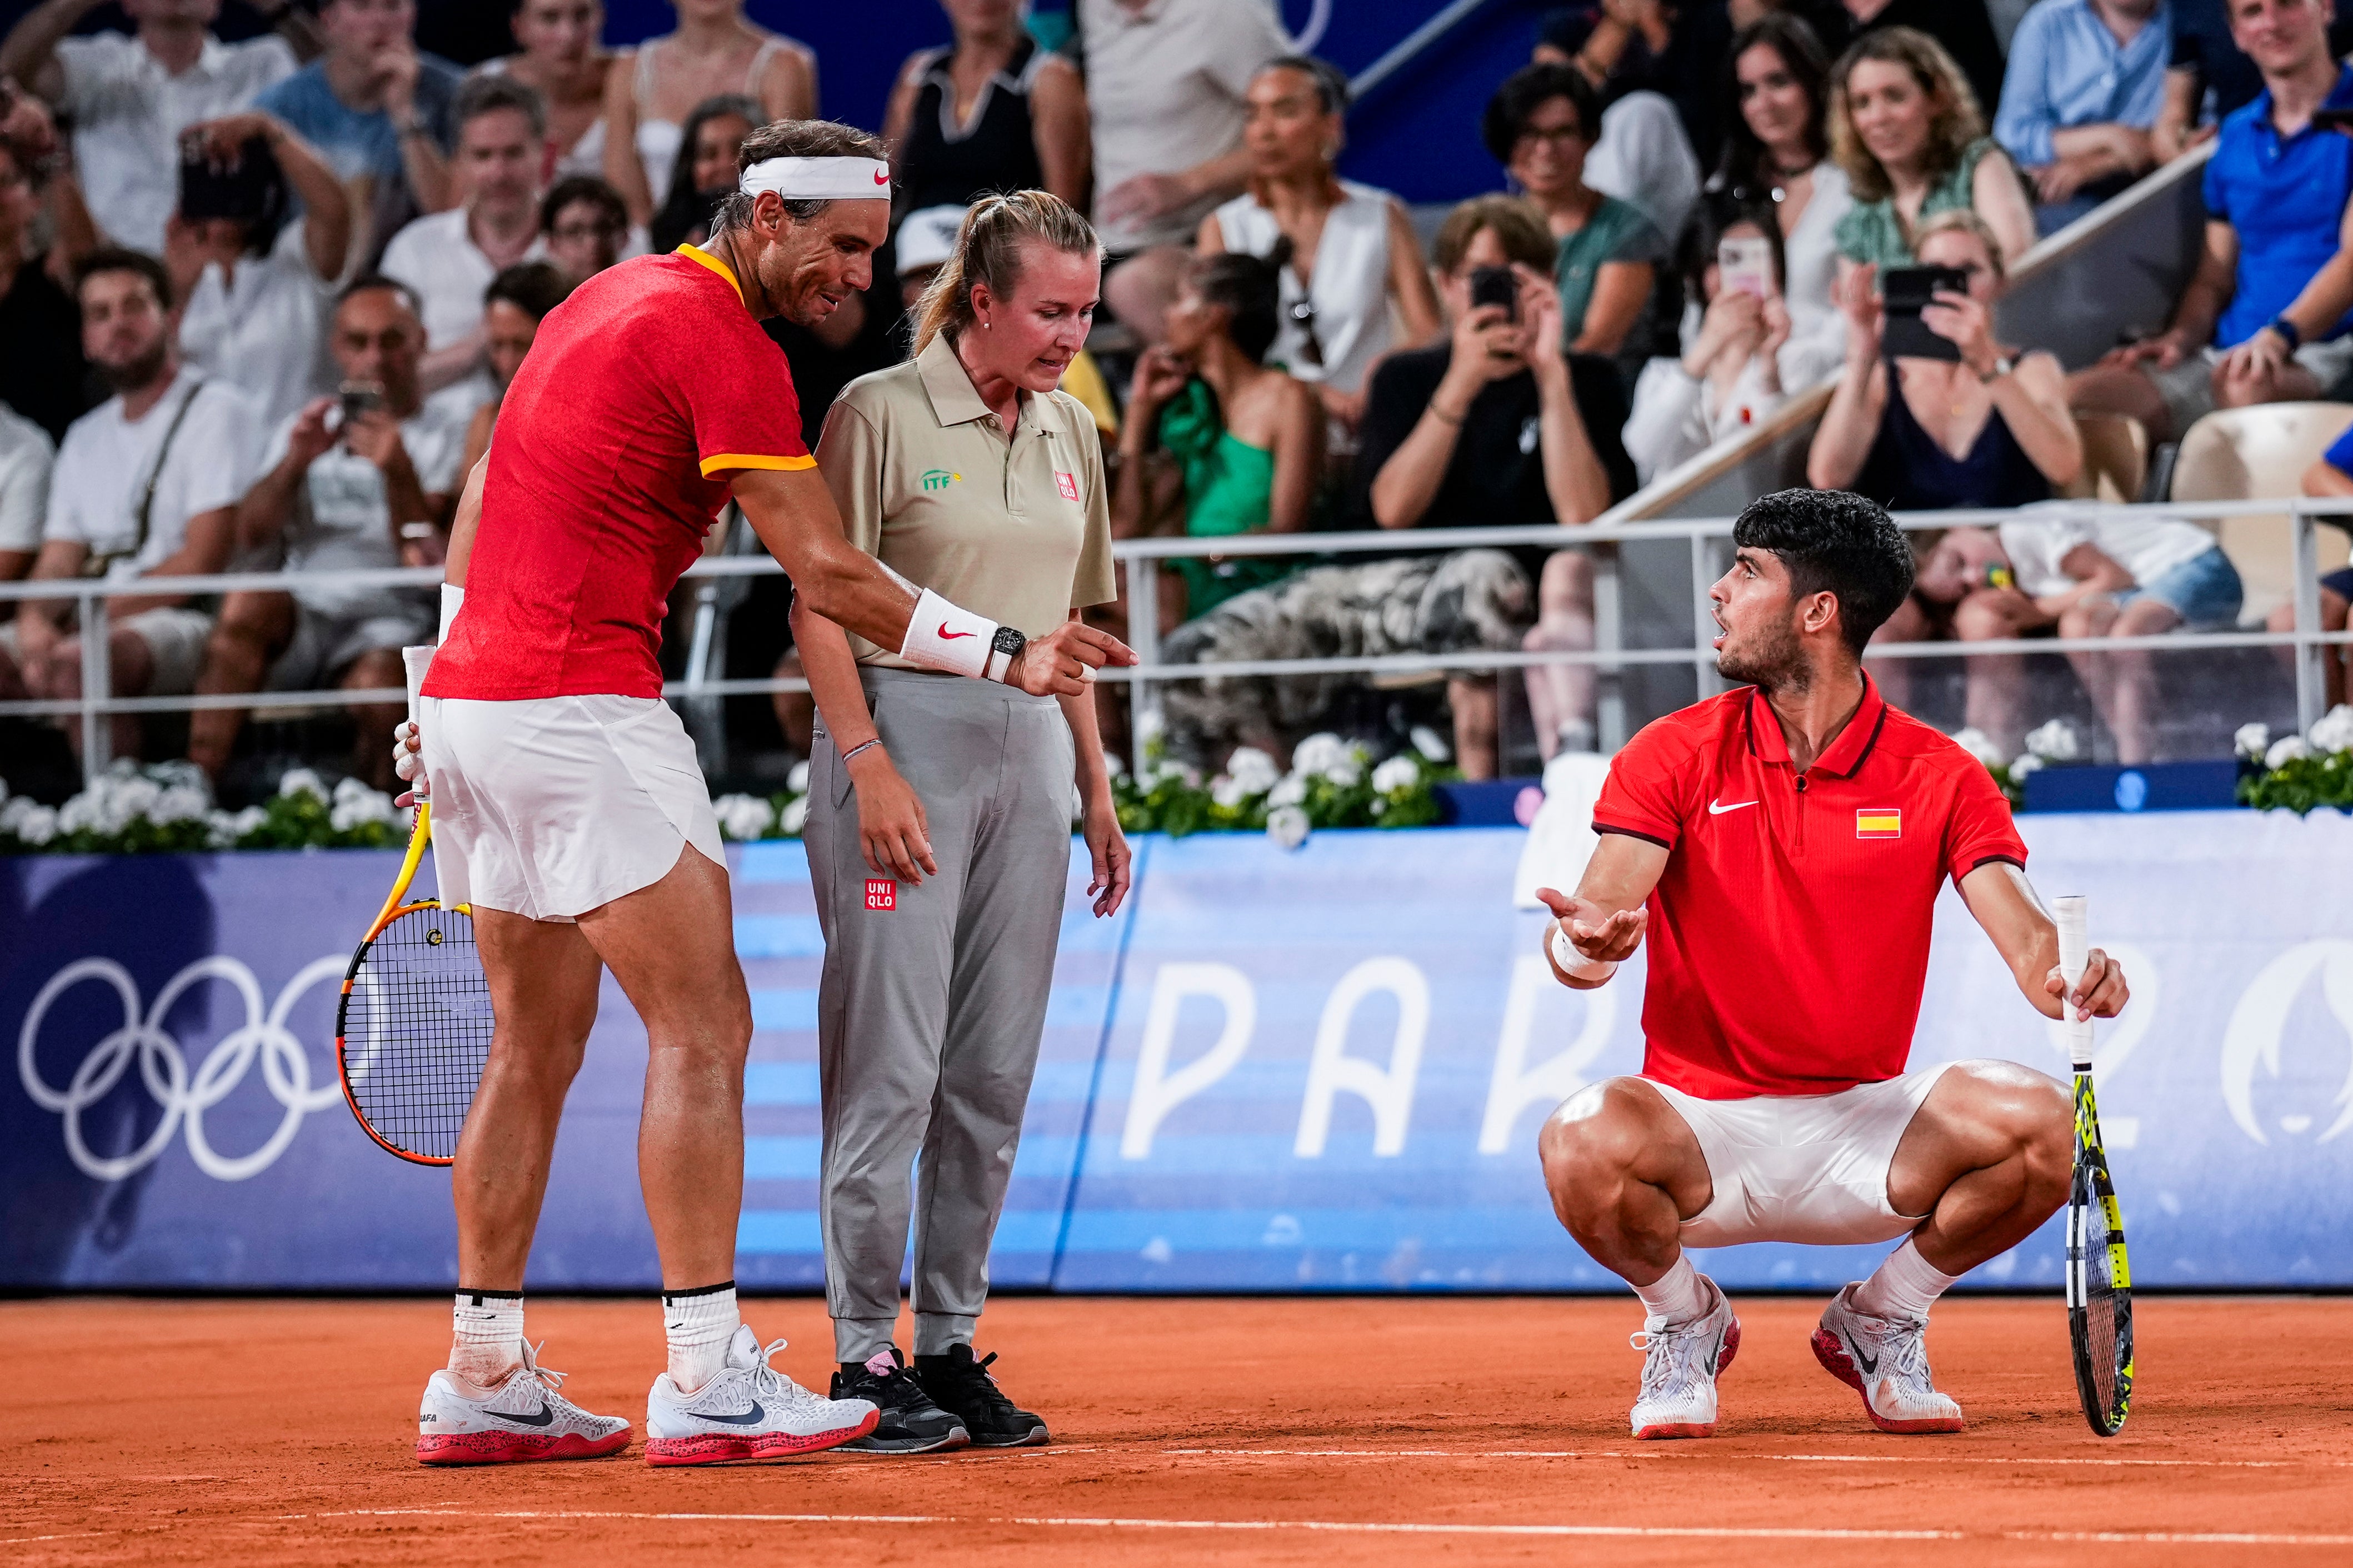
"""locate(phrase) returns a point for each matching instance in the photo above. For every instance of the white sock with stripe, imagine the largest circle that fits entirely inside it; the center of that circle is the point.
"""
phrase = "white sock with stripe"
(1675, 1298)
(699, 1324)
(1903, 1287)
(486, 1336)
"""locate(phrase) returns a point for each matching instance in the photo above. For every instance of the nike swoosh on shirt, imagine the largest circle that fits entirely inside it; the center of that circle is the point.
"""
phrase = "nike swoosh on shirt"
(1717, 809)
(946, 635)
(539, 1417)
(751, 1417)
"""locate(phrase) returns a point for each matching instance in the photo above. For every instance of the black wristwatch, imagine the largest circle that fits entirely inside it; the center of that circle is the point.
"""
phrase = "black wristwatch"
(1008, 643)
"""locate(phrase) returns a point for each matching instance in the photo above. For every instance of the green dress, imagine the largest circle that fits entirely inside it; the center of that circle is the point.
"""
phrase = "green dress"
(1873, 231)
(1228, 487)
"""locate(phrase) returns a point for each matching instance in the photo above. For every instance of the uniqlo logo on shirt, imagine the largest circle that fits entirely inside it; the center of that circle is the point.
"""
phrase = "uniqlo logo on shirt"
(1878, 822)
(882, 893)
(1068, 484)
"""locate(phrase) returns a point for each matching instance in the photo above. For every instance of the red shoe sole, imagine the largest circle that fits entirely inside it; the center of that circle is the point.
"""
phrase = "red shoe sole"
(1696, 1428)
(1835, 1361)
(514, 1447)
(720, 1448)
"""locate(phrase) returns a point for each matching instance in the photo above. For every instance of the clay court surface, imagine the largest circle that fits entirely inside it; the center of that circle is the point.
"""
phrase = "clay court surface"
(1224, 1431)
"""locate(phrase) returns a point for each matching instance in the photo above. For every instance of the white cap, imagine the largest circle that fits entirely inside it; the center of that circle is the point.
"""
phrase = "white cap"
(927, 238)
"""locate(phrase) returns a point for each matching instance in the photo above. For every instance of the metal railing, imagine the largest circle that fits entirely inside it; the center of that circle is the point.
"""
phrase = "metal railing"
(1609, 655)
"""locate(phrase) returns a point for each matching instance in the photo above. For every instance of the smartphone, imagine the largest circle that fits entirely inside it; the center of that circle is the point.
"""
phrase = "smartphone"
(1905, 291)
(247, 191)
(2332, 120)
(1745, 267)
(1495, 286)
(361, 397)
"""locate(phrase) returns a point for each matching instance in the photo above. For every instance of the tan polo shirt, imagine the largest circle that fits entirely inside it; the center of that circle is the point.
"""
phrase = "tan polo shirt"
(1018, 531)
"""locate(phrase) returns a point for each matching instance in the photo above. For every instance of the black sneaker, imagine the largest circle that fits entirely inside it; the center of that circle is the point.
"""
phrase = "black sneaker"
(909, 1423)
(962, 1386)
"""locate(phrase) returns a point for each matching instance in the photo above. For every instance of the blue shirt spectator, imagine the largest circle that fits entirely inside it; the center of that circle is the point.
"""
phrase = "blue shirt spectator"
(355, 141)
(2084, 86)
(2285, 198)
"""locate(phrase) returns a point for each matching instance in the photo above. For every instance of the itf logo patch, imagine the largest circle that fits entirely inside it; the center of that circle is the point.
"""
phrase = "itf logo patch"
(882, 893)
(1068, 484)
(939, 479)
(1877, 822)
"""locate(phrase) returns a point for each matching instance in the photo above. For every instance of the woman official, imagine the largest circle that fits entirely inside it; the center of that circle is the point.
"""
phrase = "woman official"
(940, 819)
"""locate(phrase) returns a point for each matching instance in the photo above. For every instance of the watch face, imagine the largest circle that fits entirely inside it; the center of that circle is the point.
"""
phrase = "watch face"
(1009, 641)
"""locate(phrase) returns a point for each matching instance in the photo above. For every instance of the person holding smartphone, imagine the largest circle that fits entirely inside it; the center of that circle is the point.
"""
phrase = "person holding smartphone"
(1918, 425)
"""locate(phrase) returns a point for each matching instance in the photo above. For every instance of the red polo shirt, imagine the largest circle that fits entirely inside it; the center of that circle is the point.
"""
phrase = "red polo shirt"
(1788, 935)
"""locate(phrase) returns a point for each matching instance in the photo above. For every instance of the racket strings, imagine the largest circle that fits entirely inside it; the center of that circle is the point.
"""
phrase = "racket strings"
(417, 1031)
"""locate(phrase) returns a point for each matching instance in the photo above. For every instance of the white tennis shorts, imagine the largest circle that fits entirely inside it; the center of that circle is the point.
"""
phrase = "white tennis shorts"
(1811, 1168)
(551, 807)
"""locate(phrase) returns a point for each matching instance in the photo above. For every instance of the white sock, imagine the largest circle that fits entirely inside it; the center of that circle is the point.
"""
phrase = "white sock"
(486, 1336)
(699, 1324)
(1676, 1297)
(1903, 1287)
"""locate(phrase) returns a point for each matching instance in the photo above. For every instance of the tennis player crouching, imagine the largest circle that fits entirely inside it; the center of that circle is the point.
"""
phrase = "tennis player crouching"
(1782, 846)
(569, 795)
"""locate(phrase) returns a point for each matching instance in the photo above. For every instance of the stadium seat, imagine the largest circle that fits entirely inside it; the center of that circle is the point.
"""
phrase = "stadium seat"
(2116, 459)
(2259, 453)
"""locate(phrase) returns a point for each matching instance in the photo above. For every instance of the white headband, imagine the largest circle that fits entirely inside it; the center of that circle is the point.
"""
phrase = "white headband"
(819, 179)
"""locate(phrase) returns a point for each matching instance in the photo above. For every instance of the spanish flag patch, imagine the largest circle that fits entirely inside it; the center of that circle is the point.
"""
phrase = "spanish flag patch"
(1878, 822)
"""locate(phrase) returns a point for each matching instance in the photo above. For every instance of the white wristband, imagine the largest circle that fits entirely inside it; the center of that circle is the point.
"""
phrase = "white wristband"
(1575, 963)
(452, 596)
(943, 638)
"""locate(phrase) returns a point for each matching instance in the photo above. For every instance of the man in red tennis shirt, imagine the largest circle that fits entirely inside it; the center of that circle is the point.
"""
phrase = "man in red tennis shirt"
(1782, 846)
(569, 800)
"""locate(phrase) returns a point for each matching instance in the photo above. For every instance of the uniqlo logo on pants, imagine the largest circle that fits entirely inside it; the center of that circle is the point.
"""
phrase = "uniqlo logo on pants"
(882, 893)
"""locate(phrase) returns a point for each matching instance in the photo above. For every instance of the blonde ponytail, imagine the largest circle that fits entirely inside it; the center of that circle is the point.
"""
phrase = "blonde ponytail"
(988, 250)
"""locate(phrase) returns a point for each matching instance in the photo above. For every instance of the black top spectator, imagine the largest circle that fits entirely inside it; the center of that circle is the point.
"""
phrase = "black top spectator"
(992, 112)
(1748, 173)
(1672, 50)
(705, 173)
(43, 376)
(584, 224)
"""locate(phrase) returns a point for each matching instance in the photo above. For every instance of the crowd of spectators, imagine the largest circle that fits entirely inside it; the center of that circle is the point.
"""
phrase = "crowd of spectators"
(300, 271)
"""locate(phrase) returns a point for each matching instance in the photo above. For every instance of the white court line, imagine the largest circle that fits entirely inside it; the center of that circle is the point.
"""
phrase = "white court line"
(1693, 1455)
(1702, 1532)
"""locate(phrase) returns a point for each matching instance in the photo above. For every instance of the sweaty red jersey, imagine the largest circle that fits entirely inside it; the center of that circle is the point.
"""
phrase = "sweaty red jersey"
(642, 395)
(1788, 935)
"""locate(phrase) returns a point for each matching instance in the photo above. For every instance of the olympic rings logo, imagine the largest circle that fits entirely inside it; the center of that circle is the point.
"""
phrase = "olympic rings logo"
(163, 1068)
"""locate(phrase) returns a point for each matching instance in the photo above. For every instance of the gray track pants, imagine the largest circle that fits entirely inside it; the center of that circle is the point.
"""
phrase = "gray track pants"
(930, 1010)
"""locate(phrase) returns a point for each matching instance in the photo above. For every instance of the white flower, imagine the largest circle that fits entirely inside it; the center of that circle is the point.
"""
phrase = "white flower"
(1228, 790)
(1290, 790)
(796, 781)
(2055, 742)
(1113, 766)
(35, 824)
(1252, 770)
(181, 803)
(794, 817)
(2252, 741)
(1320, 752)
(2023, 766)
(1980, 745)
(1169, 768)
(182, 775)
(1287, 826)
(2285, 750)
(1426, 740)
(301, 781)
(1150, 725)
(1401, 772)
(1345, 773)
(220, 830)
(743, 816)
(2334, 732)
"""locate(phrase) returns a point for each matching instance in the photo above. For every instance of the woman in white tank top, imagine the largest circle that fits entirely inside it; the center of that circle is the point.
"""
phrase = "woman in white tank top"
(714, 51)
(561, 59)
(1355, 286)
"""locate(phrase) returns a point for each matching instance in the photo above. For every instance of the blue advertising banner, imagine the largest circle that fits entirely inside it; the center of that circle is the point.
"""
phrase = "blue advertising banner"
(1319, 1070)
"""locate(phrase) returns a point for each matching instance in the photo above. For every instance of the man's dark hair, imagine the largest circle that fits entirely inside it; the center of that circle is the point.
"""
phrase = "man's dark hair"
(368, 282)
(535, 287)
(484, 94)
(795, 138)
(117, 258)
(1250, 290)
(573, 189)
(1837, 542)
(1523, 92)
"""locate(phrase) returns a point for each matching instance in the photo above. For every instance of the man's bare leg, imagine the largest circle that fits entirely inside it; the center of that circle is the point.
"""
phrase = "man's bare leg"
(1987, 1158)
(252, 629)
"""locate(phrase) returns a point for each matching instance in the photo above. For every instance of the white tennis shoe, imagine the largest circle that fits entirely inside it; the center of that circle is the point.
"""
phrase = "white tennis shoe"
(750, 1411)
(1886, 1360)
(523, 1418)
(1679, 1370)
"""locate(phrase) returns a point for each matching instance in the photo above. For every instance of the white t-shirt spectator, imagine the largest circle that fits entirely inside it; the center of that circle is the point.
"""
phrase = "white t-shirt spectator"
(2146, 547)
(1348, 283)
(437, 258)
(265, 333)
(1165, 85)
(106, 463)
(128, 113)
(27, 455)
(340, 521)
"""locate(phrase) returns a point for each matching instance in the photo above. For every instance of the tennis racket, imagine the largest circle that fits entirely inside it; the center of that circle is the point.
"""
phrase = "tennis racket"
(413, 1025)
(2099, 1281)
